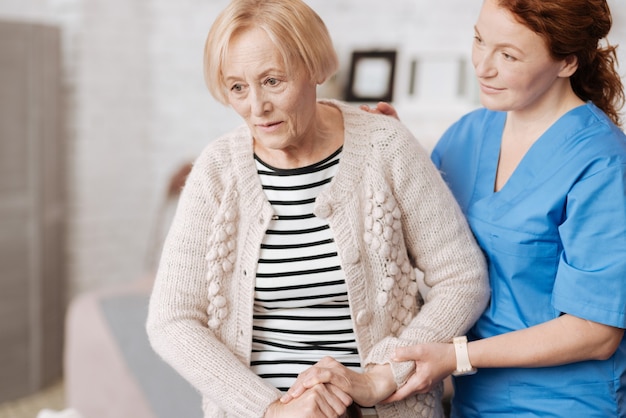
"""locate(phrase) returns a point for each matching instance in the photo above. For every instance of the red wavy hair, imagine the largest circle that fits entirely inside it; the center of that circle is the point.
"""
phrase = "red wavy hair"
(579, 28)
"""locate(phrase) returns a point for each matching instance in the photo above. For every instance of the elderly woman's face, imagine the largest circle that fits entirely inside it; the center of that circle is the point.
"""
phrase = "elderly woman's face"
(277, 103)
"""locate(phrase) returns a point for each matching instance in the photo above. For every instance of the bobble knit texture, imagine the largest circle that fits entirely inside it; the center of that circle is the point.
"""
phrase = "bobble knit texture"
(390, 213)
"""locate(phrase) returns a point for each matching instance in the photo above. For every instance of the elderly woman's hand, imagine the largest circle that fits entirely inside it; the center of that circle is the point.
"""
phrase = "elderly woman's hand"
(366, 389)
(320, 401)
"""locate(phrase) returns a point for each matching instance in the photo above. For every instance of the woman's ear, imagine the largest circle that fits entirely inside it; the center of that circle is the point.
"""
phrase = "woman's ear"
(570, 65)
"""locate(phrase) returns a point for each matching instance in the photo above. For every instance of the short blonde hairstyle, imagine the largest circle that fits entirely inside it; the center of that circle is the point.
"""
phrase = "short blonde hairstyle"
(298, 32)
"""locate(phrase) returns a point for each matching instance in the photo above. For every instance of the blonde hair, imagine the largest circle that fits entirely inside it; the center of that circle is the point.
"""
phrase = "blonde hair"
(298, 32)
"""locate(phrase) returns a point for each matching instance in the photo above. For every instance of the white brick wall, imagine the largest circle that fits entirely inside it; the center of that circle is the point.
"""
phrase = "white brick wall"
(139, 108)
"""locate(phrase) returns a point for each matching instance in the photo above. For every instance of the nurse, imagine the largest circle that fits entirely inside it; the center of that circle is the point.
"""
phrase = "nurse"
(540, 173)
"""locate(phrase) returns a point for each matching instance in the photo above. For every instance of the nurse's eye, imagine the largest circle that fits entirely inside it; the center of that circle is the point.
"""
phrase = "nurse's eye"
(478, 40)
(508, 57)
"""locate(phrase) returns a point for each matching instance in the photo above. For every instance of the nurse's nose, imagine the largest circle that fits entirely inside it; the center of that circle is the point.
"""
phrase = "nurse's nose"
(484, 65)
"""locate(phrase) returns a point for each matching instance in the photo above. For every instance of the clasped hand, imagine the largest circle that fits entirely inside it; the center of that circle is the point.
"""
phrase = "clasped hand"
(330, 387)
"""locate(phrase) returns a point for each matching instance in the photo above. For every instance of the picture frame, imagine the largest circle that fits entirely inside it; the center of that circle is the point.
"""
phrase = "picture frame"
(372, 76)
(426, 72)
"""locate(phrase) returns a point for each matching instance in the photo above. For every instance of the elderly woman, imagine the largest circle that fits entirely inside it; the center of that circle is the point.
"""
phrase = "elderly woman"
(298, 234)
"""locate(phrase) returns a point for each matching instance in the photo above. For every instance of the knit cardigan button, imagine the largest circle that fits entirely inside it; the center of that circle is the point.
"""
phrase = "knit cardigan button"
(352, 255)
(324, 211)
(363, 317)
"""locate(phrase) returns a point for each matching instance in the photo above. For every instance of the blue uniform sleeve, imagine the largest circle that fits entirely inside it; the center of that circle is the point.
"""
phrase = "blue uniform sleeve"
(591, 276)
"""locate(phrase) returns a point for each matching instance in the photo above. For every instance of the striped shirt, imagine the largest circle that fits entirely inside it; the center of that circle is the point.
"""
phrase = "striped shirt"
(301, 310)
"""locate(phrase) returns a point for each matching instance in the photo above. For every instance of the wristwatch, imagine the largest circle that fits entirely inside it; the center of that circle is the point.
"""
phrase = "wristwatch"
(463, 365)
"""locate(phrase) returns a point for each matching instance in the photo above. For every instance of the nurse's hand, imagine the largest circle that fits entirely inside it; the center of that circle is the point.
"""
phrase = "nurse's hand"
(433, 363)
(366, 389)
(320, 401)
(382, 108)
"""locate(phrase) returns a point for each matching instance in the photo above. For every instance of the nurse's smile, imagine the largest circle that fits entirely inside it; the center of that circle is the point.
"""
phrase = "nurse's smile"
(489, 89)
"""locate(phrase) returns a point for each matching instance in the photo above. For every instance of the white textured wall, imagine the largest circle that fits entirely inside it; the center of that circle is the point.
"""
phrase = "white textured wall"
(138, 107)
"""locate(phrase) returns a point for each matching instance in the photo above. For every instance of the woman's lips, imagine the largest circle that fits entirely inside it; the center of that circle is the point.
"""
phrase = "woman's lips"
(269, 127)
(489, 89)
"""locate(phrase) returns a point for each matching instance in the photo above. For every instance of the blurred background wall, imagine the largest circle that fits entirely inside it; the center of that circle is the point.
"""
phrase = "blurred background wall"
(135, 106)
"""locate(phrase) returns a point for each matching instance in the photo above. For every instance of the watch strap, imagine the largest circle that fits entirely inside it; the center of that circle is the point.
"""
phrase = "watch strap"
(463, 365)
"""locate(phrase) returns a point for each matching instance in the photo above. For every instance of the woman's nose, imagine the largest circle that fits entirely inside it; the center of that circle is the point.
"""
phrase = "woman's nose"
(258, 102)
(483, 64)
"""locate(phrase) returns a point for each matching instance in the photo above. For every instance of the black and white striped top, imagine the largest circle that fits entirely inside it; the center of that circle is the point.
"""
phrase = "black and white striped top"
(301, 310)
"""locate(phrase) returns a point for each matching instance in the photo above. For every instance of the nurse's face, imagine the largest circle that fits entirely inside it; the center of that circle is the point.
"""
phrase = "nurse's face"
(277, 103)
(514, 68)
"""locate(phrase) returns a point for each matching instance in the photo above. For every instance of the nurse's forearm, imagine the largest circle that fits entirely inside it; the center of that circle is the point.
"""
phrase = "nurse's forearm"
(563, 340)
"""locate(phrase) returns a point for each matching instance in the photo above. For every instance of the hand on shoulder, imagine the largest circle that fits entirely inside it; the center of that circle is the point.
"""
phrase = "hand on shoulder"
(382, 108)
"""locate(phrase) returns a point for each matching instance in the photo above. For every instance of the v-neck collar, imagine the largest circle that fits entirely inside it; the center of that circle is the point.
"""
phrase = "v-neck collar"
(534, 162)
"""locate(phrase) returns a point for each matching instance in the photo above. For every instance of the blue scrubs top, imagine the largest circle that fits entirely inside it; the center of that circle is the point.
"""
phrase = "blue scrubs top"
(555, 240)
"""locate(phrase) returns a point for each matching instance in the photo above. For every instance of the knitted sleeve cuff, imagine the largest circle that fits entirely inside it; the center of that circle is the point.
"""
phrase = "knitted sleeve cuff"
(382, 354)
(402, 371)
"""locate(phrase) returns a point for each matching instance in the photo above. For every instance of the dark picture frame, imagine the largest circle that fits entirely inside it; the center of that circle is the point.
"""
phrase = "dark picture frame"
(372, 76)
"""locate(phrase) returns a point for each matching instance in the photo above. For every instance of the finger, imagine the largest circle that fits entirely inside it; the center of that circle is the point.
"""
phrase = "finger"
(302, 383)
(327, 370)
(407, 353)
(331, 404)
(372, 110)
(293, 392)
(399, 395)
(393, 398)
(387, 109)
(412, 386)
(306, 380)
(340, 394)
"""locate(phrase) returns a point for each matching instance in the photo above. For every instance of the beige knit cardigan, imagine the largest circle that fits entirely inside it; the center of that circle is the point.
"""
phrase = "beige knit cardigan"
(390, 213)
